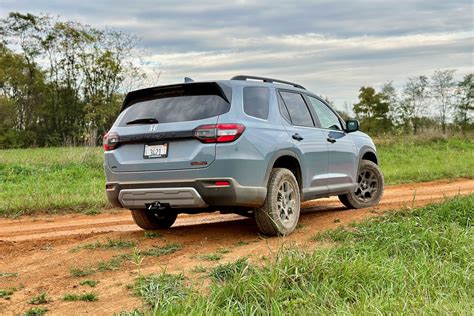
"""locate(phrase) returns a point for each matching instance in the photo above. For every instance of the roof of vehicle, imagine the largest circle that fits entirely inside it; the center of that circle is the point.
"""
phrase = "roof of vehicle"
(240, 80)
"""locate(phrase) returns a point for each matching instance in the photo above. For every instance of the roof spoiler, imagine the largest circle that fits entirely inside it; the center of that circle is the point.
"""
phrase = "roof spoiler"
(270, 80)
(176, 90)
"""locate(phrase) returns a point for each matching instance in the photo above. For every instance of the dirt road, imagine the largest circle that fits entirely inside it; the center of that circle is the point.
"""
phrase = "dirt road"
(36, 253)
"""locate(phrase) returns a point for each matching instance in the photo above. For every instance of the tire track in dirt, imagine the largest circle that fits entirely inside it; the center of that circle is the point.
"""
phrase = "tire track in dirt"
(39, 248)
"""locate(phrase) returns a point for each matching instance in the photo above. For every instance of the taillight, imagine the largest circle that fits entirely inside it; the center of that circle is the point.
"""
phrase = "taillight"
(111, 141)
(219, 133)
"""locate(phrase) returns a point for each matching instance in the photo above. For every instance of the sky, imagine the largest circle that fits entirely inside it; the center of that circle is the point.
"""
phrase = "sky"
(330, 47)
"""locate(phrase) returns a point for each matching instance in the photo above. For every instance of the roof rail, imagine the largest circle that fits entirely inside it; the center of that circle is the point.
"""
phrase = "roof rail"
(264, 79)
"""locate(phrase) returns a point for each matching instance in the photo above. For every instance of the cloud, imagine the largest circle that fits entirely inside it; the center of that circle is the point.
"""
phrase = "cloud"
(332, 47)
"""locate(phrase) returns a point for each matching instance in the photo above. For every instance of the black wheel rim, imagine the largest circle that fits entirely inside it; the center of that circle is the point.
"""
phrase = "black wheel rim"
(367, 186)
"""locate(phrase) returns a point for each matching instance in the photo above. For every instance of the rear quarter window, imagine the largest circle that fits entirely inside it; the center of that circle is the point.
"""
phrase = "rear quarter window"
(256, 101)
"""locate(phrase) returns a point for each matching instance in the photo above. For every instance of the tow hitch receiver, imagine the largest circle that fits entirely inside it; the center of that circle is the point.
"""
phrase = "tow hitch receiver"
(156, 206)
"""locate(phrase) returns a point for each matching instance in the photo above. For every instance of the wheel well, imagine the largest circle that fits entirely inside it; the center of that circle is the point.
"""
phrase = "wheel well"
(370, 156)
(292, 164)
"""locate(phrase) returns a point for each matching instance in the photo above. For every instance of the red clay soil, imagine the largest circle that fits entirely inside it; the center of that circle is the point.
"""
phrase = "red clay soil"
(37, 250)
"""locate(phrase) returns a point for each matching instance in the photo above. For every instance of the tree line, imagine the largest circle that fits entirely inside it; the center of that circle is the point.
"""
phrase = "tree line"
(62, 83)
(438, 102)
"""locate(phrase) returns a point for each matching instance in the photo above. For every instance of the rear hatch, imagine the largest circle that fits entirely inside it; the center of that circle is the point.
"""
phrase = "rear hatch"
(155, 127)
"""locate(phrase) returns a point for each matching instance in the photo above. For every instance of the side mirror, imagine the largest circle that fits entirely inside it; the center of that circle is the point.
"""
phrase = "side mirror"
(352, 126)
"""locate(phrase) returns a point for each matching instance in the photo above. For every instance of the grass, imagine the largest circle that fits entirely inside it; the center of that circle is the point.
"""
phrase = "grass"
(211, 257)
(40, 299)
(36, 311)
(110, 244)
(89, 282)
(32, 180)
(85, 297)
(152, 235)
(412, 160)
(409, 262)
(7, 293)
(8, 274)
(157, 251)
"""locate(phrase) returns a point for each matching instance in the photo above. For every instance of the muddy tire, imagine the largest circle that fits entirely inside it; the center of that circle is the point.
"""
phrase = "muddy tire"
(280, 213)
(369, 191)
(150, 220)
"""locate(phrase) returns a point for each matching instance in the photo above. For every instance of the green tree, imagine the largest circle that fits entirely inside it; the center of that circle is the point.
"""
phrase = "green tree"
(443, 89)
(373, 110)
(416, 102)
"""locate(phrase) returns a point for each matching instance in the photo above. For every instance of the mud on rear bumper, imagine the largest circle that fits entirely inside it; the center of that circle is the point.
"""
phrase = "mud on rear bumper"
(199, 193)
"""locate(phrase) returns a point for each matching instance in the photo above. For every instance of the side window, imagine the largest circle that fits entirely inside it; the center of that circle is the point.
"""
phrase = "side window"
(326, 117)
(297, 109)
(256, 101)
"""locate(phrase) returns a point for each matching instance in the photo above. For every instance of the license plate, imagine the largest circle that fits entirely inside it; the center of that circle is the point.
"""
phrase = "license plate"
(156, 151)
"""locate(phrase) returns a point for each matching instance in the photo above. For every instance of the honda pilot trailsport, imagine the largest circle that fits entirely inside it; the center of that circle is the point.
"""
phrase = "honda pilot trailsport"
(250, 145)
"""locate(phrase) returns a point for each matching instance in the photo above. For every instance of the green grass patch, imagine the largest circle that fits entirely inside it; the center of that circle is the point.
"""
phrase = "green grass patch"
(7, 293)
(33, 180)
(211, 257)
(89, 282)
(231, 270)
(152, 235)
(110, 244)
(412, 160)
(409, 262)
(85, 297)
(81, 272)
(157, 251)
(8, 274)
(40, 299)
(36, 311)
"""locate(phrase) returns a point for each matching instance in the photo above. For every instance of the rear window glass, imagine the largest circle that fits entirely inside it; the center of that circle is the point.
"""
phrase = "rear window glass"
(177, 109)
(297, 109)
(256, 101)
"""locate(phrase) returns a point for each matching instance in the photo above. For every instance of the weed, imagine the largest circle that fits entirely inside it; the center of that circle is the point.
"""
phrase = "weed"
(109, 265)
(81, 272)
(8, 274)
(223, 250)
(211, 257)
(242, 243)
(110, 244)
(40, 299)
(91, 283)
(6, 294)
(199, 269)
(36, 311)
(92, 212)
(227, 271)
(157, 251)
(86, 297)
(152, 235)
(136, 258)
(161, 291)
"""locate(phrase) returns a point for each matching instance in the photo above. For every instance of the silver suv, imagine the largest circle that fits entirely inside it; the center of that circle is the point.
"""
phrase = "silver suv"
(250, 145)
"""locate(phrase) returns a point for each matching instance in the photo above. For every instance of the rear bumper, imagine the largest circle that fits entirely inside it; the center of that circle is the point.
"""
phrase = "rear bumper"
(199, 193)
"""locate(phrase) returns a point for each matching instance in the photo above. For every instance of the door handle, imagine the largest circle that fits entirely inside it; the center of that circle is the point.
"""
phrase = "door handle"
(331, 140)
(297, 136)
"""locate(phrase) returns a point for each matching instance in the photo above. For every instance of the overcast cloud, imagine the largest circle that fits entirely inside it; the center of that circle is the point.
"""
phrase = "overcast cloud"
(331, 47)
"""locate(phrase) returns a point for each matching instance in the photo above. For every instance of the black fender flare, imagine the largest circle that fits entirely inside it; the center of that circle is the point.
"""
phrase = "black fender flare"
(364, 150)
(279, 154)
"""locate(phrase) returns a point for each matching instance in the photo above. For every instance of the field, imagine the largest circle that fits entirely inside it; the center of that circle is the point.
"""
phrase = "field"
(61, 180)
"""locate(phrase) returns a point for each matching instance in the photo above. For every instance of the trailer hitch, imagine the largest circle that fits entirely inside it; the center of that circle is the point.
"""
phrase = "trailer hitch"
(156, 206)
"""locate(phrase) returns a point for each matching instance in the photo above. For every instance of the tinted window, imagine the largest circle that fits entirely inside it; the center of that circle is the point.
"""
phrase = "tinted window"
(299, 113)
(326, 117)
(177, 109)
(256, 100)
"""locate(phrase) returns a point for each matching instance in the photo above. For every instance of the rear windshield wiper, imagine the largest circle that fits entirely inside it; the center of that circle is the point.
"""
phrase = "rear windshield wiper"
(145, 120)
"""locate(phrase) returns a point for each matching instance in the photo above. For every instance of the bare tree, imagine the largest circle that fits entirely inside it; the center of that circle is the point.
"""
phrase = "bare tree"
(443, 89)
(416, 101)
(464, 105)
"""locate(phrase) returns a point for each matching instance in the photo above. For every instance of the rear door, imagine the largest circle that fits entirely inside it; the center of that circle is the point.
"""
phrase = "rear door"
(309, 140)
(343, 161)
(156, 128)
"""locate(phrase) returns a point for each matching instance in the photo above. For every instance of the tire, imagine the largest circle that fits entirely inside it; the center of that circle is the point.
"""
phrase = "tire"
(149, 220)
(370, 185)
(280, 213)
